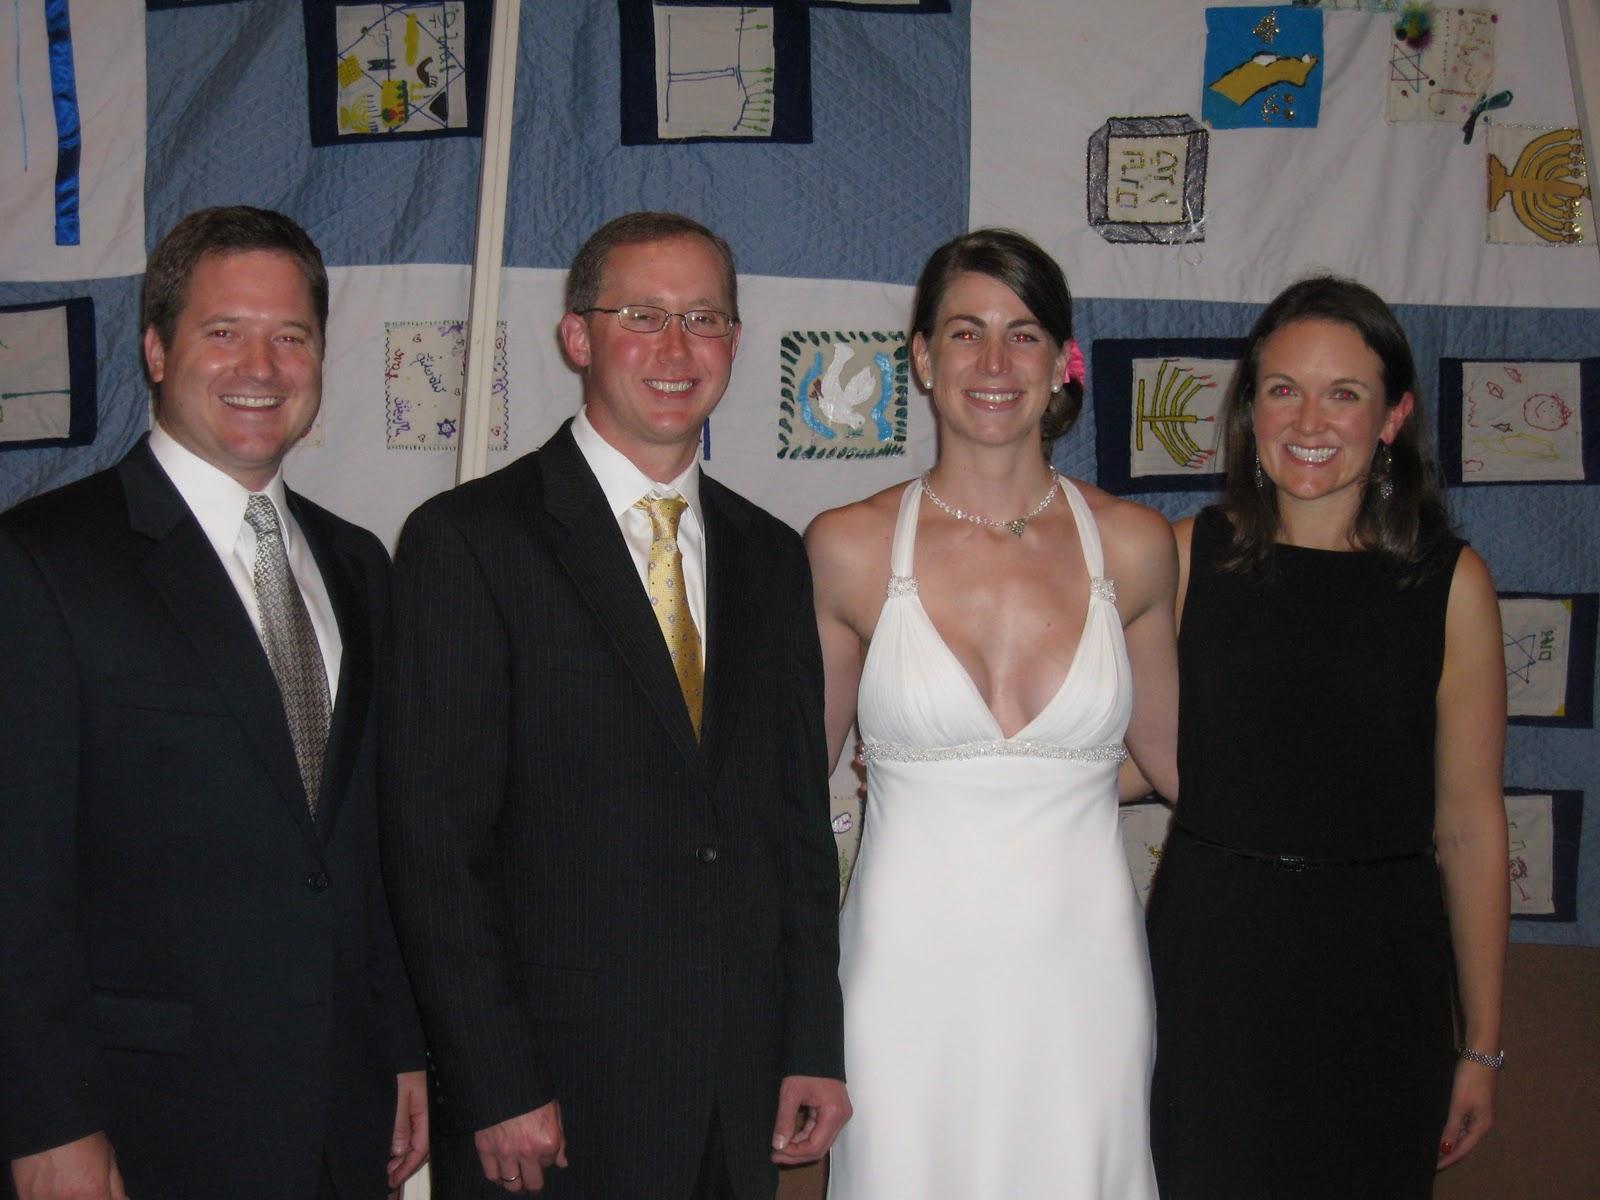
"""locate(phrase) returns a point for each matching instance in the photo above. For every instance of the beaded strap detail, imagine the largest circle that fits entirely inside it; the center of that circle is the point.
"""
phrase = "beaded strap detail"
(1103, 588)
(1109, 752)
(901, 585)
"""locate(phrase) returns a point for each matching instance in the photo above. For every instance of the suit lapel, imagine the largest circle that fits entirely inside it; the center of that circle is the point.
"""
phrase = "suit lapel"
(597, 560)
(341, 578)
(726, 618)
(183, 569)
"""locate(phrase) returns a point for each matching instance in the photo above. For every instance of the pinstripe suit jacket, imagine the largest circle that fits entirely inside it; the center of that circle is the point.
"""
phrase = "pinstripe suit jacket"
(595, 907)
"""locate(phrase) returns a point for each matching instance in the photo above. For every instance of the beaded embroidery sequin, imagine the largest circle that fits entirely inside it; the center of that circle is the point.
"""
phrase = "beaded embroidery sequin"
(1005, 748)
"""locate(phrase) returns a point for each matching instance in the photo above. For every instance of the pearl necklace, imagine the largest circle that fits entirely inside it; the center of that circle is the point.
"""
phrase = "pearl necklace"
(1015, 526)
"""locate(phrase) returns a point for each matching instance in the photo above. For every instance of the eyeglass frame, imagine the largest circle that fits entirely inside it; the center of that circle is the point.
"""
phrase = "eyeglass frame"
(667, 315)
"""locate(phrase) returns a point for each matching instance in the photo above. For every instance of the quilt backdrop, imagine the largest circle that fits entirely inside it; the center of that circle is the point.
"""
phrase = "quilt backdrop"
(1183, 163)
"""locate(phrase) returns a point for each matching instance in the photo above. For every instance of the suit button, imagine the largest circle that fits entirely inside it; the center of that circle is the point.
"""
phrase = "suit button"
(317, 881)
(706, 854)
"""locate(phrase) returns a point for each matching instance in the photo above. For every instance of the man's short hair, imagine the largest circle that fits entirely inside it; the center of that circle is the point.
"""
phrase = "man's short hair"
(230, 230)
(632, 229)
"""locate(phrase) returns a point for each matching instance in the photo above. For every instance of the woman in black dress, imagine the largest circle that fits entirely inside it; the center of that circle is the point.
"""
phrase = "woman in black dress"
(1341, 726)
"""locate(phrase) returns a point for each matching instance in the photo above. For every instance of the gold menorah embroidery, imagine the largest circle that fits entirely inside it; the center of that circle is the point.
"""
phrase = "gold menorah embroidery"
(1546, 185)
(1168, 413)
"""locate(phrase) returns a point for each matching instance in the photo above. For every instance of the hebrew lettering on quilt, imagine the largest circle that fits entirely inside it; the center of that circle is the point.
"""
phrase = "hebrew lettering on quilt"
(1175, 427)
(1531, 831)
(1538, 187)
(1440, 61)
(842, 394)
(714, 71)
(1537, 635)
(1147, 179)
(35, 375)
(1144, 833)
(424, 365)
(1521, 421)
(401, 67)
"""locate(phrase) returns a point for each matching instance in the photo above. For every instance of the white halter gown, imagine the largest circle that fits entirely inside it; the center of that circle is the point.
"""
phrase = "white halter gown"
(999, 1029)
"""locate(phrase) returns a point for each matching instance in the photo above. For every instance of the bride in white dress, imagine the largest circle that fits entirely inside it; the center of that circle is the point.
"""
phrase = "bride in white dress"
(1000, 633)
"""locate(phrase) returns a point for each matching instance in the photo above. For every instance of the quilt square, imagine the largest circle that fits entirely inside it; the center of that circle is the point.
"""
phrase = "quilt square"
(1158, 412)
(1147, 179)
(1538, 187)
(694, 73)
(1543, 830)
(401, 69)
(47, 374)
(842, 394)
(1519, 421)
(424, 366)
(1549, 643)
(1440, 61)
(1263, 68)
(1144, 834)
(1531, 842)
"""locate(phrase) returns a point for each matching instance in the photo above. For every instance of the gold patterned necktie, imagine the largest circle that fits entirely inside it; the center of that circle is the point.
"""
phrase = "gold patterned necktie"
(669, 599)
(291, 646)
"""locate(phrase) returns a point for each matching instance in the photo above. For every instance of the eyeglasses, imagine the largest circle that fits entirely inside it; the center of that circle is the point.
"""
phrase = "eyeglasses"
(647, 318)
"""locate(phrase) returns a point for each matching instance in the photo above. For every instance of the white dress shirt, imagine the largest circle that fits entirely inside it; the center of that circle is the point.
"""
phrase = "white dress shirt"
(625, 485)
(218, 502)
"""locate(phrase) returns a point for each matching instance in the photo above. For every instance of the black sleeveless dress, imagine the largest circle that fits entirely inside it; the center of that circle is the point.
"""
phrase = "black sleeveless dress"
(1304, 1037)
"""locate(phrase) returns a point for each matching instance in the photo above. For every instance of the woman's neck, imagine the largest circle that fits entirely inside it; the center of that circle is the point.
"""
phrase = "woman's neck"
(998, 482)
(1320, 524)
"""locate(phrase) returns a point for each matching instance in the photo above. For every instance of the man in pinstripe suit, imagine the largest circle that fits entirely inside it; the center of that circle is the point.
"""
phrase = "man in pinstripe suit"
(616, 893)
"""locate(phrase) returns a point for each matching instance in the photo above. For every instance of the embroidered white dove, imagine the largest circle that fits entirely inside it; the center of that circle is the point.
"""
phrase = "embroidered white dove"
(838, 402)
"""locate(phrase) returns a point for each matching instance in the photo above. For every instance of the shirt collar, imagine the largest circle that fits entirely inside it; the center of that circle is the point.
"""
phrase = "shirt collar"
(622, 482)
(216, 499)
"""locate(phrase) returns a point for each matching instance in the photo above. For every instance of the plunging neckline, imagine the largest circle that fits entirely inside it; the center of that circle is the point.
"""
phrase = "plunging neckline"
(955, 659)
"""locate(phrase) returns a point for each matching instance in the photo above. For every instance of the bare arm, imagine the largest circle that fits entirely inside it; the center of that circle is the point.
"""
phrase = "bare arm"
(1183, 535)
(1144, 562)
(1470, 833)
(836, 576)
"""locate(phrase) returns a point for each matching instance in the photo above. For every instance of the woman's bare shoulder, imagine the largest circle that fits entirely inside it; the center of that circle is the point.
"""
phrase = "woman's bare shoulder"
(1136, 526)
(854, 538)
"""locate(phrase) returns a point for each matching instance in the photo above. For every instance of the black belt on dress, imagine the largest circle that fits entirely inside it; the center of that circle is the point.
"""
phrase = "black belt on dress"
(1299, 862)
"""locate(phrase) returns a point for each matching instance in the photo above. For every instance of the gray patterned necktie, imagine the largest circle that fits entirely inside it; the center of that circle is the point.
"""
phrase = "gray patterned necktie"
(291, 646)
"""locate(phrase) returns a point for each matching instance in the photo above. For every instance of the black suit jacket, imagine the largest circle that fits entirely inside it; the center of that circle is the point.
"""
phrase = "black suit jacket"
(595, 907)
(192, 964)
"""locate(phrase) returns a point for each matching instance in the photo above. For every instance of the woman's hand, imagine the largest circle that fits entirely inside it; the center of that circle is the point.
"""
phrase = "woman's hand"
(1471, 1112)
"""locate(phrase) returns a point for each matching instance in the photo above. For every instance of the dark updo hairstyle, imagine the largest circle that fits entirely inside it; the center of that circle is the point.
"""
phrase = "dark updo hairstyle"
(1403, 530)
(1015, 261)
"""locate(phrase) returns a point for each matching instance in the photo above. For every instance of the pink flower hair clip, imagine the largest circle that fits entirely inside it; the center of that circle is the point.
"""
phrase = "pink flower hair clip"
(1075, 372)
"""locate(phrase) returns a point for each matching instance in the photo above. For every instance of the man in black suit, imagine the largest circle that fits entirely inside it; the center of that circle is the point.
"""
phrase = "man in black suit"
(202, 994)
(605, 797)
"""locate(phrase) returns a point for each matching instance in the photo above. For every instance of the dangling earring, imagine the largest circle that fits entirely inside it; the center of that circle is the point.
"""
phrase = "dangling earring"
(1383, 471)
(1261, 477)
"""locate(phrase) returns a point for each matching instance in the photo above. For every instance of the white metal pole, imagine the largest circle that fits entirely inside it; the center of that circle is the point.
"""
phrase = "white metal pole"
(483, 312)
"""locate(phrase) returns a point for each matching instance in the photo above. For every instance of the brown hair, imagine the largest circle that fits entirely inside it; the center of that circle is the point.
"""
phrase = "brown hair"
(229, 230)
(1036, 278)
(1403, 529)
(632, 229)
